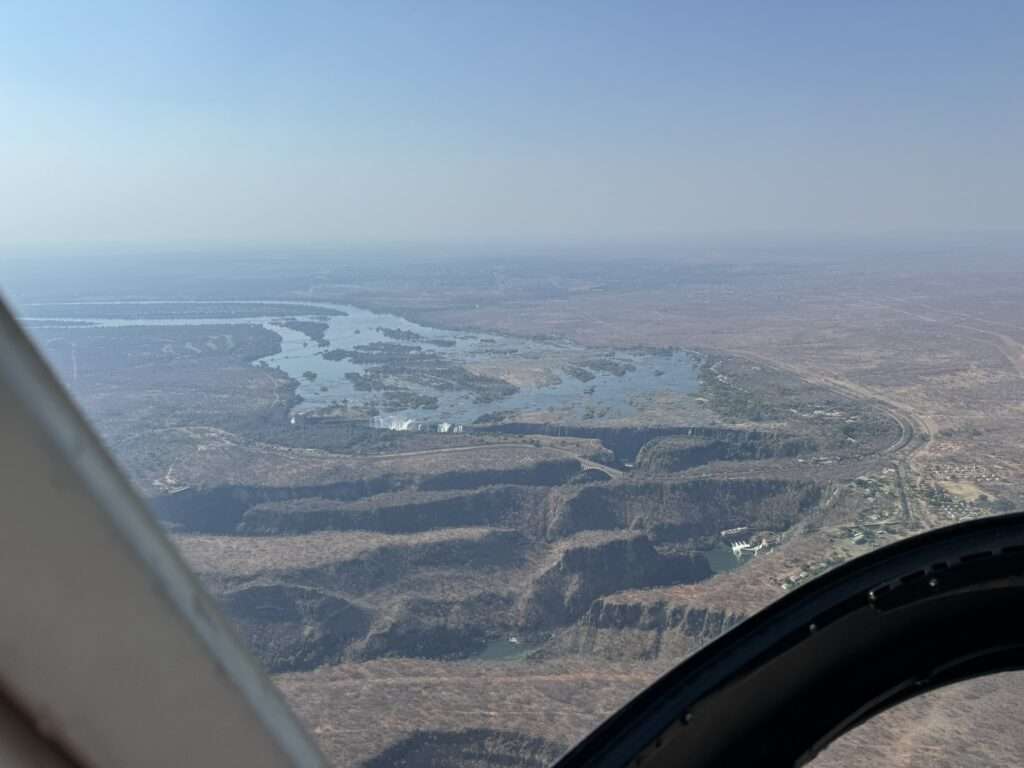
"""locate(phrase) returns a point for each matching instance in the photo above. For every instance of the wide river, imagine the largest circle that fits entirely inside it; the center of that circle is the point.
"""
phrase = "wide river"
(537, 367)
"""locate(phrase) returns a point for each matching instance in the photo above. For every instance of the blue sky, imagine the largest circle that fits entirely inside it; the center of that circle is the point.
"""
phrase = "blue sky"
(352, 122)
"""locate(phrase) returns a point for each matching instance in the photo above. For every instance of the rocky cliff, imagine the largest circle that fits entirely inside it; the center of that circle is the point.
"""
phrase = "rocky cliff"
(687, 511)
(625, 627)
(682, 452)
(589, 565)
(400, 512)
(221, 509)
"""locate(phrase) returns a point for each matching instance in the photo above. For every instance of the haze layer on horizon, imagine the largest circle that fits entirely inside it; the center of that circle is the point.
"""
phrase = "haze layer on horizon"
(578, 122)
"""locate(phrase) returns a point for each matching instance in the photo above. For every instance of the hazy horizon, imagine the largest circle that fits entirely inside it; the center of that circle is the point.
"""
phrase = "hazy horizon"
(579, 123)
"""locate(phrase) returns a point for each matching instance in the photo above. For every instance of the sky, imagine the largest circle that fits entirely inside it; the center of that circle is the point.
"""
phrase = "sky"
(255, 121)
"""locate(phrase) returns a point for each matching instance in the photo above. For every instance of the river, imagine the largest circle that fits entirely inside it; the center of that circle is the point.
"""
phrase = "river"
(540, 368)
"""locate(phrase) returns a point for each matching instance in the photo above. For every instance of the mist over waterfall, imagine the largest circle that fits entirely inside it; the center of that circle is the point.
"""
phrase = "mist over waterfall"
(397, 424)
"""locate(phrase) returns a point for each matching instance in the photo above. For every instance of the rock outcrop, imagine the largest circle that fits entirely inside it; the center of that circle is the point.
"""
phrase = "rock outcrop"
(689, 511)
(294, 627)
(622, 628)
(504, 505)
(589, 566)
(221, 509)
(682, 452)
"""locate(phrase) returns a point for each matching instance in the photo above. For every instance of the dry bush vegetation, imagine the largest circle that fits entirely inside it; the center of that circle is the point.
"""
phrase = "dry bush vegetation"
(967, 724)
(852, 407)
(204, 457)
(943, 352)
(945, 348)
(243, 557)
(357, 710)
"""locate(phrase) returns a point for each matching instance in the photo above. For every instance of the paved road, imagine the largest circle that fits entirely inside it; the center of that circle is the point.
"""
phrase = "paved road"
(910, 423)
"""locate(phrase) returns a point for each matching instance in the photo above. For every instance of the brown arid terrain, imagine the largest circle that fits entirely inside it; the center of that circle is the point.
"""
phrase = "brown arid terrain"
(491, 594)
(940, 352)
(424, 700)
(488, 360)
(966, 724)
